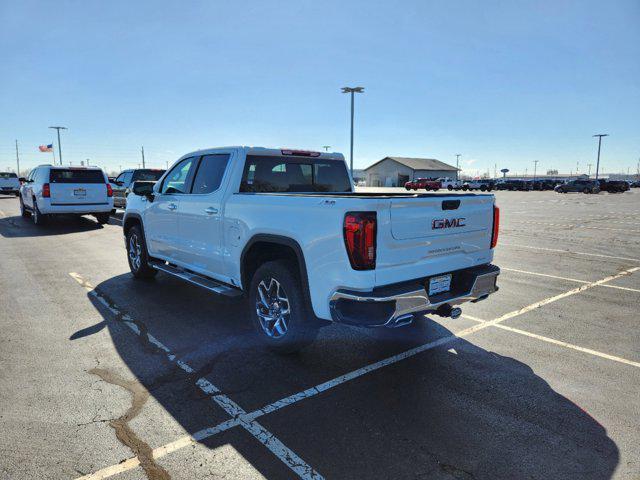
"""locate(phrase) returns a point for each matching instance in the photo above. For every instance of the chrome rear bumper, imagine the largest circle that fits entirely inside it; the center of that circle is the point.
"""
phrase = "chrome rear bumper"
(394, 305)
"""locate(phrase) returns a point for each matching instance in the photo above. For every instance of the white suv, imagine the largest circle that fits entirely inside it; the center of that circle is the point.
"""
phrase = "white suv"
(56, 190)
(9, 183)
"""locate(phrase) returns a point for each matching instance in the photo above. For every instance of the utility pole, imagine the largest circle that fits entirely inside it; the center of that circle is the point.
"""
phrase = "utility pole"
(457, 165)
(326, 147)
(599, 135)
(142, 150)
(535, 168)
(167, 162)
(495, 170)
(59, 146)
(17, 159)
(352, 90)
(589, 165)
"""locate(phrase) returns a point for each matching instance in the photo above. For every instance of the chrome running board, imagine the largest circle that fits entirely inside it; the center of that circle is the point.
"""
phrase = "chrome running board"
(199, 280)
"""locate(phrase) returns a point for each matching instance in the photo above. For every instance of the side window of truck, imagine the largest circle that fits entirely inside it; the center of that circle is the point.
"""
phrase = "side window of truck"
(126, 180)
(210, 172)
(180, 177)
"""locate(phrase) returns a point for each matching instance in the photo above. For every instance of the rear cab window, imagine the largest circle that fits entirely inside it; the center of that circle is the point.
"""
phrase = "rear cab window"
(148, 175)
(70, 175)
(272, 174)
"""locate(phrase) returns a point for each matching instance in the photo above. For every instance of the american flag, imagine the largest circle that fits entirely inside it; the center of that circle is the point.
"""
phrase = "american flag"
(46, 148)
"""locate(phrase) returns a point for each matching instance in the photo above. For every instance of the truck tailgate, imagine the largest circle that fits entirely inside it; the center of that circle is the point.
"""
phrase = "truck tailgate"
(424, 236)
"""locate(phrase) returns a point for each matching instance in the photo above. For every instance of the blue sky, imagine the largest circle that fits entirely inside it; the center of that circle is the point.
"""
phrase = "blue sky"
(501, 83)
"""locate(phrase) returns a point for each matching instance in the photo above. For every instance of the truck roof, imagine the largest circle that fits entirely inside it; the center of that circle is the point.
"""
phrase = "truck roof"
(249, 150)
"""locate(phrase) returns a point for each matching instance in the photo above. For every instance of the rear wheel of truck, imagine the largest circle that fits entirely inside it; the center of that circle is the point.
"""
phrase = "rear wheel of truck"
(23, 211)
(36, 216)
(449, 187)
(280, 315)
(137, 254)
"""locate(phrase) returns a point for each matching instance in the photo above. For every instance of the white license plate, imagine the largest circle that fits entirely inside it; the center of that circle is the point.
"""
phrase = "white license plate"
(80, 192)
(439, 284)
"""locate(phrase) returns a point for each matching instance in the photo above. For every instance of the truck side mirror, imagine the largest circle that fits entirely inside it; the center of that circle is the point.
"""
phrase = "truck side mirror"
(143, 189)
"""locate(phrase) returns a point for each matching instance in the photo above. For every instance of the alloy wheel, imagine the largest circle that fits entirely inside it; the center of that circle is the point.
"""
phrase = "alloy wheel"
(135, 252)
(272, 308)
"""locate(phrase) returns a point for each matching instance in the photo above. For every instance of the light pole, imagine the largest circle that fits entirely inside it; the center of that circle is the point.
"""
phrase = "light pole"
(17, 159)
(352, 90)
(599, 135)
(535, 168)
(589, 165)
(458, 155)
(326, 147)
(59, 147)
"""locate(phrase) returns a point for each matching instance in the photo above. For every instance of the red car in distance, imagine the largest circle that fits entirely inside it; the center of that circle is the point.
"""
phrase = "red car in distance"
(425, 183)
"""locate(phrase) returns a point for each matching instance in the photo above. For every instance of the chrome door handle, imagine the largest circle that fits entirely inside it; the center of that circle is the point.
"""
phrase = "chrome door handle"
(172, 206)
(211, 211)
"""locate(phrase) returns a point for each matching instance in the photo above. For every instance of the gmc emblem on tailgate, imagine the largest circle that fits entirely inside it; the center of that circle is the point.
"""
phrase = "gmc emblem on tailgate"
(447, 223)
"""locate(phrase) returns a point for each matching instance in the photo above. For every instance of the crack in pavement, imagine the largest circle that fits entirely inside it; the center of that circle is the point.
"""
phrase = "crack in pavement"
(124, 433)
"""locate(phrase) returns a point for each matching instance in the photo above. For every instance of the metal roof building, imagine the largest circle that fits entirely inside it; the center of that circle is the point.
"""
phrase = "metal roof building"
(395, 171)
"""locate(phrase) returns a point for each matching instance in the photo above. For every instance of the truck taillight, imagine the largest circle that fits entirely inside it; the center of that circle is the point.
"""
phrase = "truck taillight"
(496, 226)
(360, 239)
(46, 191)
(109, 190)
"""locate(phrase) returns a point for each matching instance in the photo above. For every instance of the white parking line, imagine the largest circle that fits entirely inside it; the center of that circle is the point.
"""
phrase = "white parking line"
(502, 244)
(542, 275)
(279, 449)
(577, 225)
(560, 296)
(567, 279)
(323, 387)
(560, 343)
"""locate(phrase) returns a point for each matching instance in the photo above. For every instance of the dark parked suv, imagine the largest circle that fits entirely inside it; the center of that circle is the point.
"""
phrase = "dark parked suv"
(122, 184)
(613, 186)
(513, 185)
(584, 186)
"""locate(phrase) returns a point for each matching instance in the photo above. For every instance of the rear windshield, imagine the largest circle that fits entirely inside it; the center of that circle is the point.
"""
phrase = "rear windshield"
(59, 175)
(289, 174)
(147, 175)
(8, 175)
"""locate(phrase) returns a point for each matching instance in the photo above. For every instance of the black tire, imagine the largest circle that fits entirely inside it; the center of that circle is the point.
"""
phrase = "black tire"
(37, 217)
(23, 211)
(139, 259)
(449, 187)
(17, 194)
(586, 190)
(465, 188)
(282, 333)
(407, 188)
(102, 218)
(483, 188)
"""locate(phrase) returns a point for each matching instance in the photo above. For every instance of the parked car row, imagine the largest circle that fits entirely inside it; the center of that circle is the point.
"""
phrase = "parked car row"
(578, 185)
(450, 184)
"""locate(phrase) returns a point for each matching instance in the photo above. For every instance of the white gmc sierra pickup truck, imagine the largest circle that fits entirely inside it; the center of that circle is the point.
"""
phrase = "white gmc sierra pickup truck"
(286, 229)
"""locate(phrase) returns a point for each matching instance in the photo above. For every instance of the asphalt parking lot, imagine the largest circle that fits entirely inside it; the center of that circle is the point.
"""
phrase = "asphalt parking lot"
(107, 377)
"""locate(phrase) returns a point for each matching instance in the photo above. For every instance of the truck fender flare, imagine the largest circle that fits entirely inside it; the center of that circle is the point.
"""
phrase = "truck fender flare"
(127, 219)
(279, 240)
